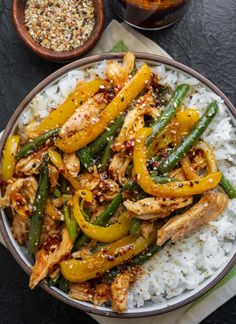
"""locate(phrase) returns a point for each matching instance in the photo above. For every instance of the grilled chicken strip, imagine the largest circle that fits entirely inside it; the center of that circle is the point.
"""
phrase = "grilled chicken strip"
(120, 288)
(118, 167)
(31, 164)
(117, 73)
(146, 228)
(81, 291)
(85, 115)
(72, 164)
(209, 207)
(20, 195)
(102, 294)
(48, 256)
(156, 207)
(20, 229)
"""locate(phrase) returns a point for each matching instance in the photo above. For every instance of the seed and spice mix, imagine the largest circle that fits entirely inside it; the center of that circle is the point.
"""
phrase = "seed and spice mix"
(60, 25)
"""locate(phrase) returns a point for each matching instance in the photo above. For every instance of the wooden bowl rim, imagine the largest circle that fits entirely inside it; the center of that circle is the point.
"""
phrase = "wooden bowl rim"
(50, 55)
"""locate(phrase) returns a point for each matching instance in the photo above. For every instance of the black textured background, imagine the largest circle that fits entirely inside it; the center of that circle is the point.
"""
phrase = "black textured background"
(205, 39)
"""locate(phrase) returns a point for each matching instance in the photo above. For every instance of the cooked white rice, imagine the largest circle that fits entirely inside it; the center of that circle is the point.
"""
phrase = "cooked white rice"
(185, 265)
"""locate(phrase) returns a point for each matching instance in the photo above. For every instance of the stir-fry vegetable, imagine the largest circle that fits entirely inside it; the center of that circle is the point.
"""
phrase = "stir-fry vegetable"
(102, 234)
(9, 157)
(169, 111)
(35, 144)
(87, 153)
(101, 220)
(178, 153)
(135, 226)
(115, 253)
(71, 223)
(228, 187)
(172, 189)
(56, 159)
(112, 111)
(39, 205)
(59, 116)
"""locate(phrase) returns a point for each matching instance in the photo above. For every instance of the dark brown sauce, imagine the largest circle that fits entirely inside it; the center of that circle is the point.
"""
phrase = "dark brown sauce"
(149, 14)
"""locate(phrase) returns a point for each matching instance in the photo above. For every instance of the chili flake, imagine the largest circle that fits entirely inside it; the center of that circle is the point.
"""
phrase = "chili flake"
(60, 25)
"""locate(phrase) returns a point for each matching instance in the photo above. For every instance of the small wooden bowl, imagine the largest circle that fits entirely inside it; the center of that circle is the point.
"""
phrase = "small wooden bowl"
(50, 55)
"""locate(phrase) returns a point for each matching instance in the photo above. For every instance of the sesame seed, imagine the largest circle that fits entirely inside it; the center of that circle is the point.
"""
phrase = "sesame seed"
(60, 25)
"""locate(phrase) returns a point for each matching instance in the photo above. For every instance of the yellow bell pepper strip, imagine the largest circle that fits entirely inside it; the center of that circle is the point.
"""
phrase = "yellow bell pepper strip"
(179, 127)
(209, 157)
(114, 254)
(56, 159)
(59, 116)
(119, 104)
(9, 157)
(185, 120)
(102, 234)
(171, 189)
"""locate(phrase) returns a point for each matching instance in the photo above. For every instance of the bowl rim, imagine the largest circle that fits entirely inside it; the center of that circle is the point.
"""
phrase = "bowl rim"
(61, 56)
(10, 125)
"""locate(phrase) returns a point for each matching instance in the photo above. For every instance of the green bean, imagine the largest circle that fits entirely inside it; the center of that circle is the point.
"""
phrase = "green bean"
(106, 156)
(132, 185)
(88, 153)
(189, 141)
(59, 282)
(98, 145)
(148, 254)
(101, 220)
(227, 187)
(32, 146)
(71, 224)
(85, 157)
(65, 187)
(174, 103)
(63, 284)
(57, 193)
(135, 226)
(37, 217)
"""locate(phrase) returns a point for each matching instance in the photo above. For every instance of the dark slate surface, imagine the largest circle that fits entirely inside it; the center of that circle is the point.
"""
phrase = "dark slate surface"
(205, 39)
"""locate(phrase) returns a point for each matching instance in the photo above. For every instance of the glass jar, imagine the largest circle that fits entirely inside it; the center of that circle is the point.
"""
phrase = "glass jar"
(149, 14)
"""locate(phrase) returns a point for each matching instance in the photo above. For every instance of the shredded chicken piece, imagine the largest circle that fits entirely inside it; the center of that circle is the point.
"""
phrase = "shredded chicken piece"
(89, 180)
(119, 74)
(120, 288)
(20, 195)
(128, 62)
(106, 190)
(85, 115)
(20, 229)
(133, 122)
(146, 228)
(72, 164)
(102, 294)
(53, 175)
(118, 167)
(156, 207)
(48, 256)
(31, 164)
(209, 207)
(50, 227)
(81, 291)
